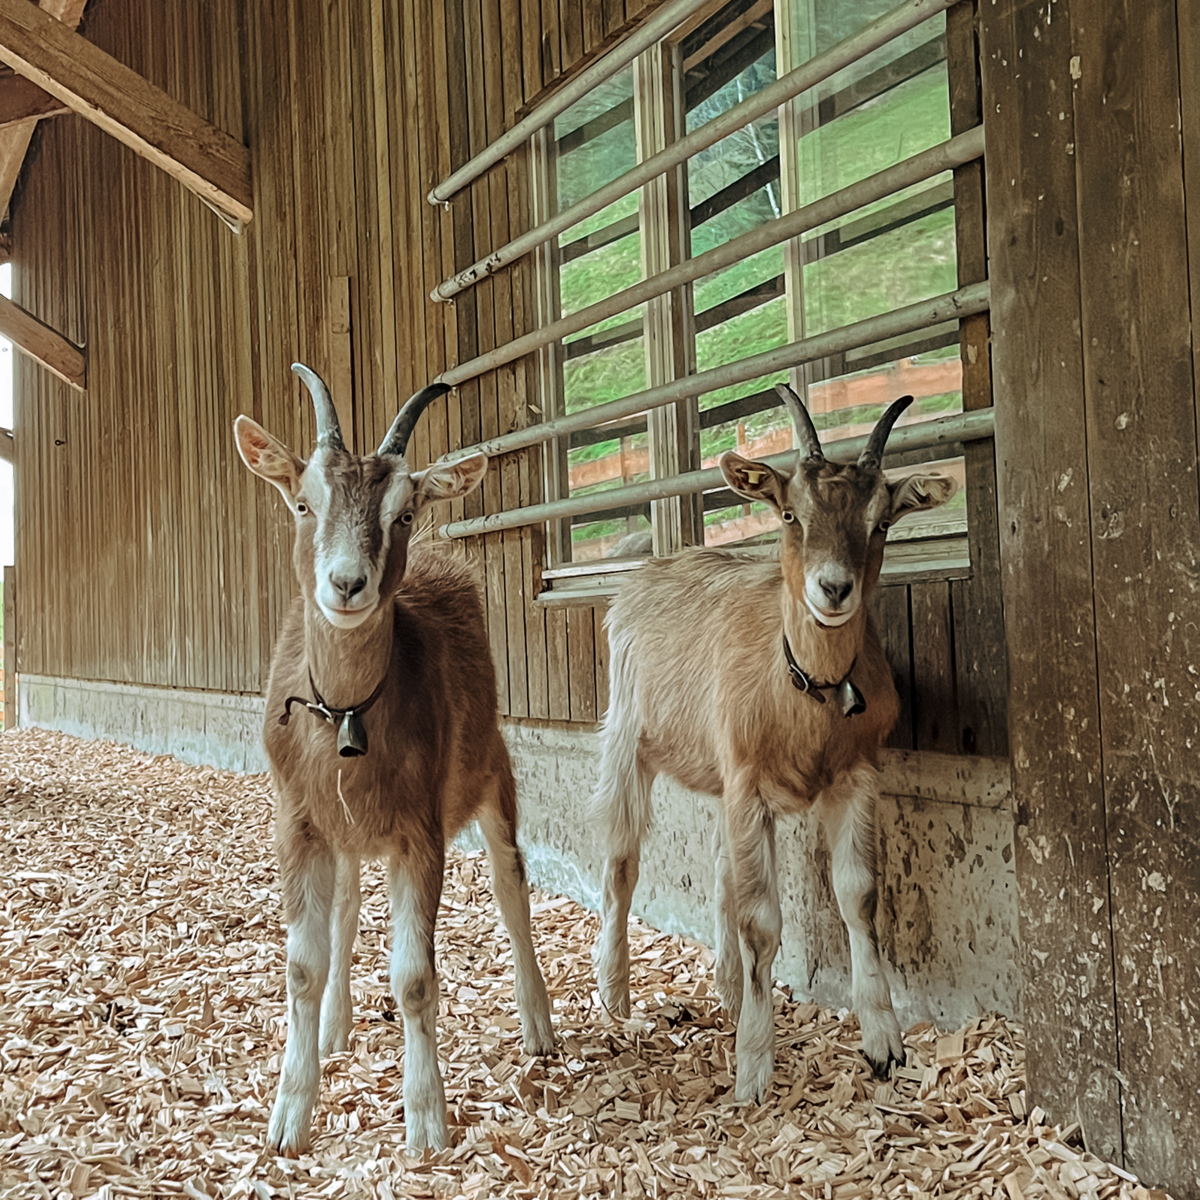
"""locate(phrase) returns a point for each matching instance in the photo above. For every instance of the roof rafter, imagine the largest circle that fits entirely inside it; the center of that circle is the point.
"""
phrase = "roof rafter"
(42, 343)
(204, 159)
(21, 101)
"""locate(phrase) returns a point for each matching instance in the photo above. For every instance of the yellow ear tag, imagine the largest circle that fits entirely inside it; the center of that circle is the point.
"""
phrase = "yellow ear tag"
(754, 477)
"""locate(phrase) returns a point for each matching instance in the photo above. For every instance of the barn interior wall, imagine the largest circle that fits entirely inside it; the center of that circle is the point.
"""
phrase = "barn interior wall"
(148, 554)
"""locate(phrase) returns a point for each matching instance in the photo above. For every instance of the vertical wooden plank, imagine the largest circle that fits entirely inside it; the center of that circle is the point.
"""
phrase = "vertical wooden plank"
(599, 613)
(890, 612)
(558, 683)
(935, 700)
(10, 648)
(581, 663)
(981, 670)
(1188, 17)
(1046, 560)
(571, 26)
(1138, 341)
(593, 26)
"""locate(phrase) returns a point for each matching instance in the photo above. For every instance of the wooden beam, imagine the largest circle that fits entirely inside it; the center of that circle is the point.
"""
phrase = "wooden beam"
(203, 158)
(21, 101)
(43, 344)
(14, 142)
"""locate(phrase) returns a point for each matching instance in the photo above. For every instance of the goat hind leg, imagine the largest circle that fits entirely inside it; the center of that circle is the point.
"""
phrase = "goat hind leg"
(415, 884)
(337, 1012)
(848, 812)
(729, 970)
(751, 835)
(623, 809)
(307, 875)
(498, 820)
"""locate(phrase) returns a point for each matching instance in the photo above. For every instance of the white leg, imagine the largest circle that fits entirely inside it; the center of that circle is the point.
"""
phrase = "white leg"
(337, 1013)
(760, 925)
(847, 810)
(307, 875)
(729, 972)
(416, 888)
(622, 808)
(512, 895)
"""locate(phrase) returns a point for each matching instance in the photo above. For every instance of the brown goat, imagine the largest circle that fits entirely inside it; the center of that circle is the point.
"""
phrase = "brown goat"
(399, 639)
(765, 684)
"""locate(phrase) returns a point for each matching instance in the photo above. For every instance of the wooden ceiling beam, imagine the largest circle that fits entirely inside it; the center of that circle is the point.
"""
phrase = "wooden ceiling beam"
(14, 142)
(92, 83)
(21, 100)
(41, 343)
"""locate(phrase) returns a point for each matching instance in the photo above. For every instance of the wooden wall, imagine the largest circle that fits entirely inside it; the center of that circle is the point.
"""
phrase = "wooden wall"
(1095, 305)
(147, 553)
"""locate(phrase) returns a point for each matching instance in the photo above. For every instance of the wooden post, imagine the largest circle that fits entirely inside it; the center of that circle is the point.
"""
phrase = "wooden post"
(10, 648)
(1100, 540)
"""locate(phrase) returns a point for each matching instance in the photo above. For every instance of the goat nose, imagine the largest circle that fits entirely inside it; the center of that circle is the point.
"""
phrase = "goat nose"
(348, 588)
(836, 590)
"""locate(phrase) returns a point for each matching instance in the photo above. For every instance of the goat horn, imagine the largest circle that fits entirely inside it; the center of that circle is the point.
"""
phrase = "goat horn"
(806, 432)
(872, 456)
(329, 432)
(396, 441)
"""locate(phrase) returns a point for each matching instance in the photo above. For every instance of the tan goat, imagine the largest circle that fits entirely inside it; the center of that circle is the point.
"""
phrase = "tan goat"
(393, 746)
(765, 684)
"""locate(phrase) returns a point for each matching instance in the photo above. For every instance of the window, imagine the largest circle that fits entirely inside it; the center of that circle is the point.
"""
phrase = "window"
(765, 195)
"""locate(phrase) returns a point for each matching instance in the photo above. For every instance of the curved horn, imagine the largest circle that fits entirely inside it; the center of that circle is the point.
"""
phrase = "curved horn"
(872, 456)
(807, 441)
(396, 441)
(329, 432)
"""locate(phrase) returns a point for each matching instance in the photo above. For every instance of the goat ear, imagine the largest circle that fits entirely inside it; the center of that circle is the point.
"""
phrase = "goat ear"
(754, 480)
(449, 481)
(268, 457)
(915, 492)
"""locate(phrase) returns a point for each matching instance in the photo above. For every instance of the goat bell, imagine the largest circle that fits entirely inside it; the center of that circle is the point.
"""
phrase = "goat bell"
(351, 735)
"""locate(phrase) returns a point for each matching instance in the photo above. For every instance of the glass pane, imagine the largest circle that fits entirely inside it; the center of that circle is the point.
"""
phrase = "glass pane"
(600, 256)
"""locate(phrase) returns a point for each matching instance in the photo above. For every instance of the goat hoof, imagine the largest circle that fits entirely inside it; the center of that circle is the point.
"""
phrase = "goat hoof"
(883, 1047)
(289, 1134)
(753, 1080)
(426, 1131)
(537, 1035)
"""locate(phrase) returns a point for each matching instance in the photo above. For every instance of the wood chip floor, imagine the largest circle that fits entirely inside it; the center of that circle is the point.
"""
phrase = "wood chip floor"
(142, 1018)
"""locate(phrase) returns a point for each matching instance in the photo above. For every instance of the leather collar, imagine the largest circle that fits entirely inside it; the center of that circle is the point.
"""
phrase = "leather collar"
(846, 694)
(351, 732)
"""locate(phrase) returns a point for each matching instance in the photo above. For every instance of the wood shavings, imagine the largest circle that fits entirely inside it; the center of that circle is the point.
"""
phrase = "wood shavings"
(142, 1020)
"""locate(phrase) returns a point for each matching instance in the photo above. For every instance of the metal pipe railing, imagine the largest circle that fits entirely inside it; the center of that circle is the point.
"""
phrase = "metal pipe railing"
(621, 55)
(819, 68)
(945, 156)
(942, 431)
(964, 302)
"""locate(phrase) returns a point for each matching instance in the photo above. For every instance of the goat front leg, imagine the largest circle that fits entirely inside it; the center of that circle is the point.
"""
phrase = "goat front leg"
(729, 971)
(498, 820)
(415, 885)
(337, 1012)
(751, 836)
(306, 868)
(847, 810)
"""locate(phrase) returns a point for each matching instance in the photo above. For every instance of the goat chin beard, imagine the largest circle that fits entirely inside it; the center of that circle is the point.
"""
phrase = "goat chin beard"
(828, 622)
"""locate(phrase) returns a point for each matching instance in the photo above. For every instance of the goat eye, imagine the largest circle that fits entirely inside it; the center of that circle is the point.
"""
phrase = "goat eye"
(406, 518)
(788, 515)
(301, 509)
(884, 526)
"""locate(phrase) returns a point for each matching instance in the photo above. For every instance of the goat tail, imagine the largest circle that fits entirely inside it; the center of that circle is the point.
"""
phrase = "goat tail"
(621, 801)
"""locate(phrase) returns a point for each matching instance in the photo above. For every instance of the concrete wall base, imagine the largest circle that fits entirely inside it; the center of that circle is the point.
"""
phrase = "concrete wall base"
(947, 916)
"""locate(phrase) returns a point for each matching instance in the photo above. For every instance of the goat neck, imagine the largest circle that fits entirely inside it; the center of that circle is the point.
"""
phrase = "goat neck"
(347, 664)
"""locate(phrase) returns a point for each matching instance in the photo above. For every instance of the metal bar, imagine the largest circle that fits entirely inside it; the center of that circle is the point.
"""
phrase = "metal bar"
(966, 427)
(945, 156)
(849, 50)
(656, 28)
(951, 306)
